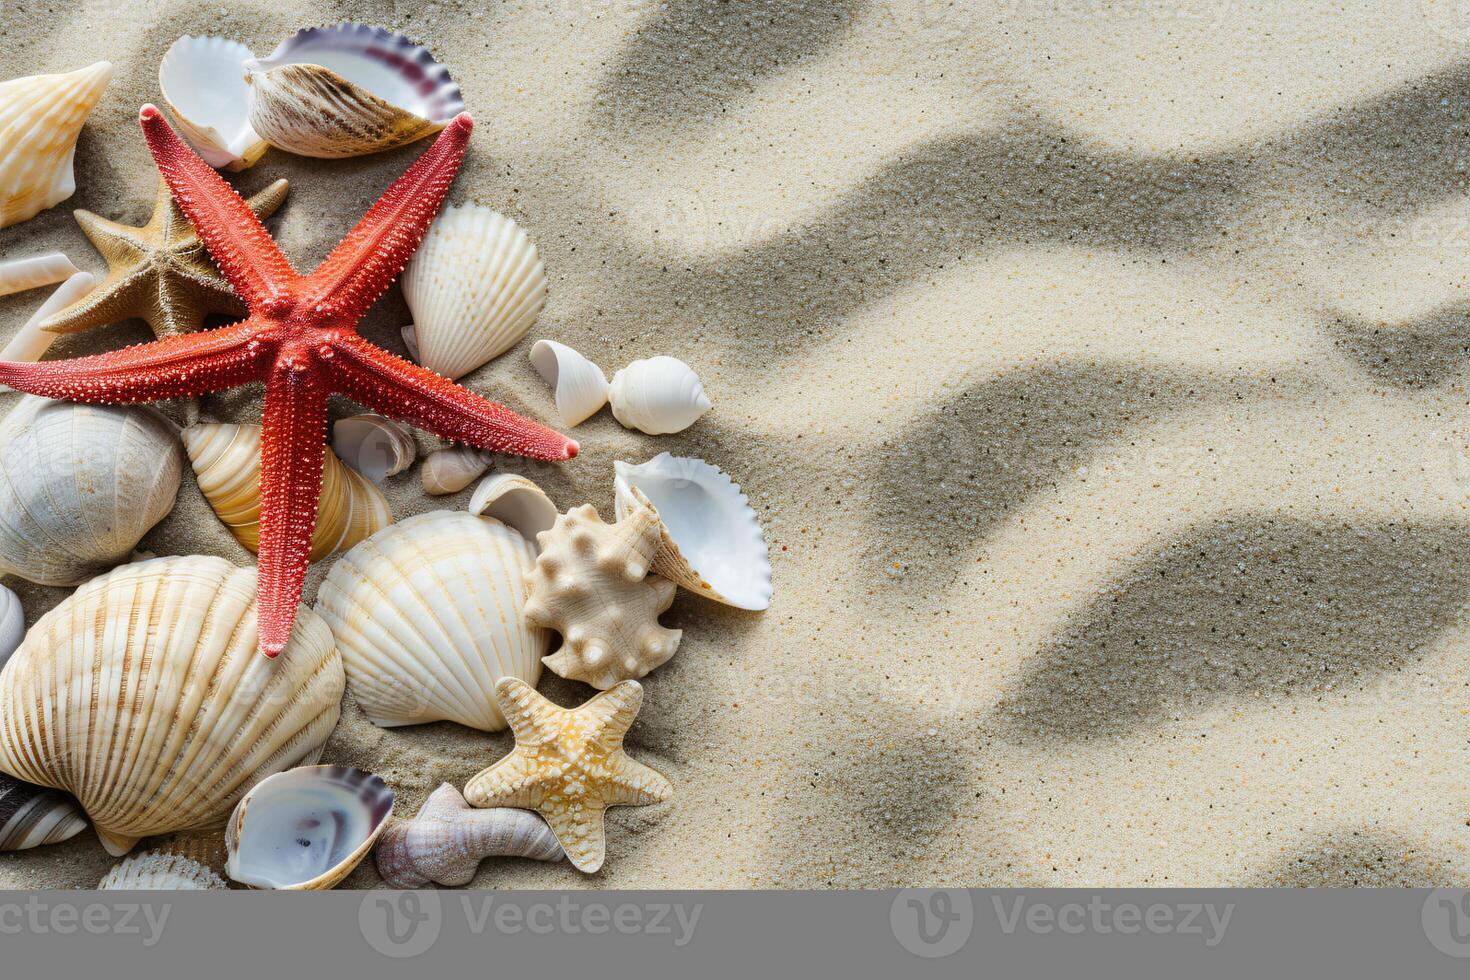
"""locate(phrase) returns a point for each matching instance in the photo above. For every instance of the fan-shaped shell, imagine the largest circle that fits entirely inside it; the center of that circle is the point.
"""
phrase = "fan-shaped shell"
(40, 119)
(516, 502)
(152, 871)
(374, 446)
(80, 485)
(33, 272)
(429, 615)
(145, 696)
(658, 396)
(475, 286)
(34, 815)
(581, 387)
(203, 82)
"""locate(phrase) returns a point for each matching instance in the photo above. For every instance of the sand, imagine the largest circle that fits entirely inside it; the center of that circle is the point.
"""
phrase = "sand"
(1098, 370)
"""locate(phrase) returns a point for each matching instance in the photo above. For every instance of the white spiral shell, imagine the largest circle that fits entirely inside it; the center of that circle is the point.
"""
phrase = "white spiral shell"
(659, 395)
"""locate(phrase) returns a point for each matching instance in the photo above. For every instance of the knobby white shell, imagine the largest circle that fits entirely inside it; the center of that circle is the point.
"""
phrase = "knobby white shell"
(580, 386)
(18, 275)
(40, 119)
(516, 502)
(451, 470)
(447, 840)
(12, 624)
(475, 286)
(428, 615)
(375, 446)
(203, 82)
(30, 342)
(658, 396)
(34, 815)
(711, 541)
(154, 871)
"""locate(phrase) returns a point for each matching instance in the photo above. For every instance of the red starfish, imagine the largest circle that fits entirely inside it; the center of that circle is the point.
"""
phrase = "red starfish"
(300, 339)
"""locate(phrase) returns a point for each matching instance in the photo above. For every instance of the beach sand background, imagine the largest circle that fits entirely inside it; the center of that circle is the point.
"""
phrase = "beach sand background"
(1099, 372)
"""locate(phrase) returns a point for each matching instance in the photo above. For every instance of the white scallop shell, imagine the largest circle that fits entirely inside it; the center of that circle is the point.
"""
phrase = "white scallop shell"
(203, 82)
(152, 871)
(375, 446)
(580, 385)
(658, 396)
(33, 272)
(30, 342)
(475, 286)
(452, 469)
(516, 502)
(712, 543)
(429, 614)
(40, 119)
(12, 624)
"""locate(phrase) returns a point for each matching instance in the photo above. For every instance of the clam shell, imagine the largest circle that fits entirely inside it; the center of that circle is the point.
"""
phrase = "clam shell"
(347, 90)
(18, 275)
(30, 342)
(34, 815)
(475, 286)
(80, 485)
(711, 541)
(40, 119)
(516, 502)
(203, 82)
(428, 615)
(226, 461)
(451, 470)
(152, 871)
(448, 838)
(374, 446)
(306, 829)
(658, 396)
(580, 386)
(145, 696)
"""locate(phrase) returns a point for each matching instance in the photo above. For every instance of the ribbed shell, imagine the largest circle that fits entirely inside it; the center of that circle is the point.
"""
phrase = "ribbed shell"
(40, 119)
(429, 615)
(34, 815)
(658, 396)
(12, 623)
(448, 838)
(144, 695)
(152, 871)
(580, 386)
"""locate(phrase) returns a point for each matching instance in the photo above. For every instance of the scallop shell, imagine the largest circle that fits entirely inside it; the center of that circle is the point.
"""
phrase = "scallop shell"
(449, 838)
(30, 342)
(18, 275)
(516, 502)
(347, 90)
(581, 387)
(475, 286)
(12, 624)
(40, 119)
(374, 446)
(80, 485)
(306, 829)
(34, 815)
(226, 461)
(451, 470)
(152, 871)
(145, 696)
(429, 615)
(658, 396)
(203, 82)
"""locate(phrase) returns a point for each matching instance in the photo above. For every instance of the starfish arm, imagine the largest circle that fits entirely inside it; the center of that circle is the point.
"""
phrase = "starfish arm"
(581, 835)
(631, 783)
(402, 390)
(375, 251)
(510, 782)
(532, 718)
(611, 713)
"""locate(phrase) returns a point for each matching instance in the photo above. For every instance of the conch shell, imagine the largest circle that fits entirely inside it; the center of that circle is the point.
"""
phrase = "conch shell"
(153, 871)
(516, 502)
(658, 396)
(203, 82)
(33, 272)
(40, 119)
(375, 446)
(34, 815)
(449, 838)
(580, 386)
(452, 469)
(145, 696)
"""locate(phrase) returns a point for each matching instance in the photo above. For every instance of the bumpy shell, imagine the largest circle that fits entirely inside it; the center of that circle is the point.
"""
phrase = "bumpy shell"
(374, 446)
(226, 461)
(80, 485)
(475, 287)
(145, 696)
(40, 119)
(516, 502)
(451, 470)
(658, 396)
(447, 840)
(153, 871)
(306, 829)
(30, 342)
(580, 386)
(12, 624)
(428, 615)
(347, 90)
(591, 584)
(711, 542)
(203, 82)
(18, 275)
(34, 815)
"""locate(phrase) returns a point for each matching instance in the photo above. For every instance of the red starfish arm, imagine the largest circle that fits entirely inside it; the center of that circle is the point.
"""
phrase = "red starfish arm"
(386, 383)
(175, 367)
(373, 254)
(239, 243)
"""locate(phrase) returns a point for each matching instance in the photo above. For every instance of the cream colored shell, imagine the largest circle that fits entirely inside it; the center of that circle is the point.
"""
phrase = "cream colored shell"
(659, 395)
(34, 271)
(580, 387)
(375, 446)
(448, 839)
(40, 119)
(453, 468)
(30, 342)
(154, 871)
(515, 501)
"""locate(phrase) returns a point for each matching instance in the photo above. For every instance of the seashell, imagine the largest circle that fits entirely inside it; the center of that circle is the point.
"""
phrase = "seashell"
(580, 385)
(447, 840)
(658, 396)
(203, 82)
(152, 871)
(374, 446)
(18, 275)
(428, 615)
(80, 485)
(711, 541)
(306, 829)
(40, 119)
(145, 696)
(226, 461)
(12, 624)
(34, 815)
(475, 286)
(451, 470)
(30, 342)
(347, 90)
(589, 585)
(516, 502)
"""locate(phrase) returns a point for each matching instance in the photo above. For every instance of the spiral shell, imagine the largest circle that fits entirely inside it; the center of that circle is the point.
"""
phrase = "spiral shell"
(34, 815)
(374, 446)
(658, 396)
(448, 839)
(452, 469)
(580, 386)
(153, 871)
(40, 119)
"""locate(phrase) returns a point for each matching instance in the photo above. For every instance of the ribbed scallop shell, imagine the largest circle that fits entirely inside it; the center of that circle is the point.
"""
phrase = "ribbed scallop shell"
(203, 82)
(80, 485)
(34, 815)
(659, 395)
(475, 286)
(33, 272)
(145, 696)
(580, 386)
(429, 615)
(153, 872)
(226, 461)
(40, 119)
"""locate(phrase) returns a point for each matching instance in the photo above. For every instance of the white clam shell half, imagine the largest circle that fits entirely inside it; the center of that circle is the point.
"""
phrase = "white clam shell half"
(580, 386)
(516, 502)
(375, 446)
(658, 395)
(203, 82)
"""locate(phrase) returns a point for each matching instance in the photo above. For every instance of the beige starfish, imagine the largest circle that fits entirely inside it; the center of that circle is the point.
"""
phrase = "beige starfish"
(569, 765)
(159, 272)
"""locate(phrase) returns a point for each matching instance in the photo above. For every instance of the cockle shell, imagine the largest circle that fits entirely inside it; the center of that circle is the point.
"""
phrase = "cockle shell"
(34, 815)
(30, 342)
(203, 82)
(580, 386)
(591, 584)
(658, 396)
(306, 829)
(347, 90)
(429, 614)
(145, 696)
(447, 840)
(452, 469)
(226, 461)
(12, 624)
(374, 446)
(516, 502)
(80, 485)
(475, 286)
(33, 272)
(711, 542)
(40, 119)
(152, 871)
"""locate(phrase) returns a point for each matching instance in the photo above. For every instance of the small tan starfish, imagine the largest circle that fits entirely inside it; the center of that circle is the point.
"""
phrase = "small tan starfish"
(569, 765)
(159, 272)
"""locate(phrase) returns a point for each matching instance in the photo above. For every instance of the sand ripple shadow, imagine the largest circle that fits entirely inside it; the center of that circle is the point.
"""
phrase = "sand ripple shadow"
(1361, 859)
(1422, 353)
